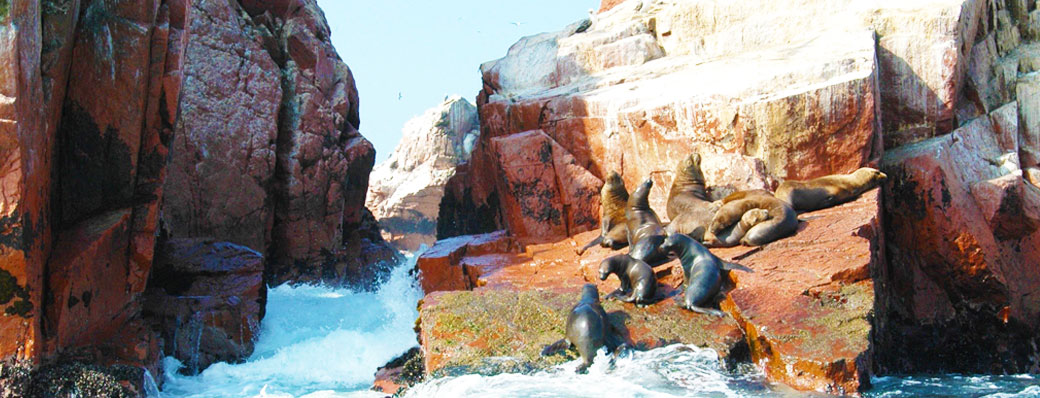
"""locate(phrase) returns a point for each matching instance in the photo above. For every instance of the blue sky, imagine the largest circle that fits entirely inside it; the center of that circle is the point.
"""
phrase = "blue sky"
(426, 50)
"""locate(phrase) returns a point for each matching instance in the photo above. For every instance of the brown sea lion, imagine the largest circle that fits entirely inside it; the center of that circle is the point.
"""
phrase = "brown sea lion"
(613, 198)
(689, 209)
(827, 191)
(730, 225)
(645, 233)
(638, 282)
(587, 329)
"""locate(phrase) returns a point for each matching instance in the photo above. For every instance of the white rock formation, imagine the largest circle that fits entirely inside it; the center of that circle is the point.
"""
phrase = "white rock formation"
(404, 192)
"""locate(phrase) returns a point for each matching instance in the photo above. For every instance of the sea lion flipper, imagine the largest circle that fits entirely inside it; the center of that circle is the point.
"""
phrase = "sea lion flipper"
(554, 348)
(709, 311)
(590, 244)
(728, 266)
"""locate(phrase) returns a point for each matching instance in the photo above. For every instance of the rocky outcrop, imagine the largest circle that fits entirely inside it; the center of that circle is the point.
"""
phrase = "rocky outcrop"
(208, 298)
(963, 232)
(508, 305)
(405, 191)
(940, 95)
(272, 112)
(248, 102)
(802, 315)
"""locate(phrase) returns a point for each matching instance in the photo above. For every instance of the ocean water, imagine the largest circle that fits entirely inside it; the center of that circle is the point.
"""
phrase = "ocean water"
(318, 342)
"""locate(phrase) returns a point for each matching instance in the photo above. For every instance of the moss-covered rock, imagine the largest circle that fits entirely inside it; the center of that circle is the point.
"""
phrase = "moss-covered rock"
(489, 331)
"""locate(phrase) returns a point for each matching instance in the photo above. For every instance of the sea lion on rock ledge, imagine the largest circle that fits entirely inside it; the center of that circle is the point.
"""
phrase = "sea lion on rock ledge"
(588, 329)
(645, 232)
(702, 272)
(733, 224)
(827, 191)
(613, 198)
(689, 209)
(638, 283)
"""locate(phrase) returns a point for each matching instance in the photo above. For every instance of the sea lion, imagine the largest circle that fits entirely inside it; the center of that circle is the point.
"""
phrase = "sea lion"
(588, 329)
(645, 232)
(733, 224)
(613, 231)
(689, 207)
(827, 191)
(638, 283)
(702, 272)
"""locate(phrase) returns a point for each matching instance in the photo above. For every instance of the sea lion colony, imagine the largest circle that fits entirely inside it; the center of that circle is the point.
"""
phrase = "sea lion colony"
(750, 217)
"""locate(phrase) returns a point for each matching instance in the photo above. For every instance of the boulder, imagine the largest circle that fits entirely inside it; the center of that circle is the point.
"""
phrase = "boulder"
(405, 191)
(90, 282)
(208, 299)
(805, 311)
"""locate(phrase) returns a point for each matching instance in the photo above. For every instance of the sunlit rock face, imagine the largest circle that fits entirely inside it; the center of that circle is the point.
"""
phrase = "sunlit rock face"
(405, 191)
(941, 95)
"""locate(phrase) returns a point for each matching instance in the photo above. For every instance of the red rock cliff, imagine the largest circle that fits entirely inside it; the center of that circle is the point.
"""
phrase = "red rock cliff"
(218, 119)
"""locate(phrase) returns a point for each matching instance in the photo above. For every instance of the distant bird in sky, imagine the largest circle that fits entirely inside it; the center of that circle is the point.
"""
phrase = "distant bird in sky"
(518, 23)
(399, 96)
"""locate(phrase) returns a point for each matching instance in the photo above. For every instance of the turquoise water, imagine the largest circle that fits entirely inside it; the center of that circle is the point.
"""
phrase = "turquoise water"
(319, 342)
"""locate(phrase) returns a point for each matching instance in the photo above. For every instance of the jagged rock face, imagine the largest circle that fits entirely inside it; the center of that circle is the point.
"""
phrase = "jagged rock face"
(267, 153)
(405, 191)
(249, 103)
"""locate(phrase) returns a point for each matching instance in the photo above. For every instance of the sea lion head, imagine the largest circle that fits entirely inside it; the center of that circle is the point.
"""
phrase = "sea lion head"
(869, 177)
(640, 198)
(614, 189)
(753, 217)
(608, 265)
(674, 243)
(689, 169)
(589, 293)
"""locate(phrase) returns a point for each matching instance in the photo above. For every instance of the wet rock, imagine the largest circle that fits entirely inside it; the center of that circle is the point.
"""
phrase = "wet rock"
(400, 373)
(208, 298)
(405, 191)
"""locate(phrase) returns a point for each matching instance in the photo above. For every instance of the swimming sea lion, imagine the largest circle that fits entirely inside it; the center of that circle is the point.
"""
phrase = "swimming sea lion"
(689, 209)
(828, 191)
(613, 198)
(645, 232)
(702, 272)
(731, 224)
(638, 283)
(588, 329)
